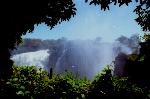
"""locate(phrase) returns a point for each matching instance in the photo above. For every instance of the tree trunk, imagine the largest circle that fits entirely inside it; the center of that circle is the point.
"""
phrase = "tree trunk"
(51, 73)
(5, 63)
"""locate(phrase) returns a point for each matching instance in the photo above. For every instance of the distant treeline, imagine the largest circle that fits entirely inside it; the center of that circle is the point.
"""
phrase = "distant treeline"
(30, 45)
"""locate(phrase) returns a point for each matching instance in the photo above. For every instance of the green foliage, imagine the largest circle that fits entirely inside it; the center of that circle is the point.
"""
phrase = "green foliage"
(102, 86)
(107, 86)
(126, 88)
(137, 66)
(31, 82)
(146, 37)
(24, 15)
(28, 80)
(133, 57)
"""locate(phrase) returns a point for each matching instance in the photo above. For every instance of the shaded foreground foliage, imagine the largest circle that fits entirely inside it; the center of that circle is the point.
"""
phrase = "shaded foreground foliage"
(31, 82)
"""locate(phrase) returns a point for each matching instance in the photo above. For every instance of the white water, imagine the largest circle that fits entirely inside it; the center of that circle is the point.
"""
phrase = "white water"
(37, 58)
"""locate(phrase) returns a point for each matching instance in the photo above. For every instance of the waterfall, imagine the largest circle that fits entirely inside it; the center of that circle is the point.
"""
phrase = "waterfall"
(38, 58)
(84, 58)
(58, 67)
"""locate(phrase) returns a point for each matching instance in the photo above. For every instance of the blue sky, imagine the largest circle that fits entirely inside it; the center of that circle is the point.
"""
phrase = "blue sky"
(90, 22)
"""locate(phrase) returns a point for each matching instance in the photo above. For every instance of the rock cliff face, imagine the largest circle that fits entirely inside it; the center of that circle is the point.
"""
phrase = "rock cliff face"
(119, 65)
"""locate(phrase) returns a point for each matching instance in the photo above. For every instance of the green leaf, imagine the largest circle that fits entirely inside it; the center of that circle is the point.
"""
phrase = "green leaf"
(15, 79)
(27, 92)
(20, 93)
(22, 87)
(8, 83)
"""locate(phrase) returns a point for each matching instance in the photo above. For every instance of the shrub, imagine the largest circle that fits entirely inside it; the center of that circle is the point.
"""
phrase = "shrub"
(31, 82)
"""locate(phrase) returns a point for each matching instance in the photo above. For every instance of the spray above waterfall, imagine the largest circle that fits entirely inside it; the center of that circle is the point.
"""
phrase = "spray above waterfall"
(84, 58)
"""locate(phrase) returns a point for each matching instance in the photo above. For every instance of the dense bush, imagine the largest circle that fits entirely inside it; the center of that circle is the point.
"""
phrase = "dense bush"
(33, 83)
(30, 82)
